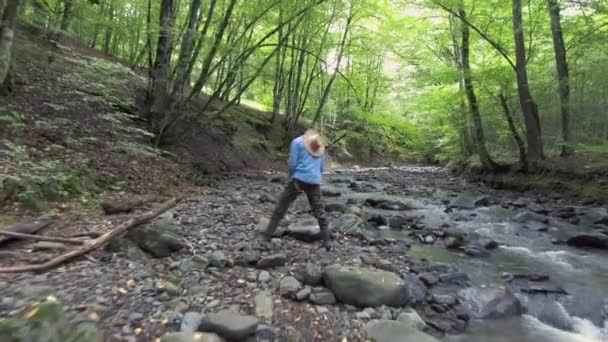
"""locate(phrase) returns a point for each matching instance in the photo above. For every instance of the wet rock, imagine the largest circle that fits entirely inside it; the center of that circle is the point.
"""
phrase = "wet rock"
(476, 250)
(160, 238)
(444, 299)
(416, 290)
(452, 243)
(490, 302)
(307, 231)
(465, 202)
(229, 325)
(387, 203)
(590, 240)
(365, 287)
(555, 315)
(323, 297)
(490, 244)
(310, 274)
(289, 287)
(264, 306)
(347, 223)
(429, 279)
(528, 216)
(272, 261)
(378, 220)
(411, 317)
(191, 322)
(394, 331)
(218, 259)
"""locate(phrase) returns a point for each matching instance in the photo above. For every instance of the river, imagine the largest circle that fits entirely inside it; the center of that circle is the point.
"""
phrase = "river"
(528, 244)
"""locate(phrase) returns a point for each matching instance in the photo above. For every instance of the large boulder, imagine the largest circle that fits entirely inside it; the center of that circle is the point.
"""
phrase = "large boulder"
(395, 331)
(366, 287)
(160, 238)
(230, 325)
(307, 231)
(591, 240)
(493, 302)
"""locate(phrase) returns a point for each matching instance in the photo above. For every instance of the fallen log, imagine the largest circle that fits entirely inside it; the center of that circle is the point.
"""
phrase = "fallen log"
(26, 227)
(41, 238)
(112, 207)
(90, 245)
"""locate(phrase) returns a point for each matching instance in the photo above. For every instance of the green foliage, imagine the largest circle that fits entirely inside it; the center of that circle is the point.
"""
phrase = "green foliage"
(12, 119)
(43, 180)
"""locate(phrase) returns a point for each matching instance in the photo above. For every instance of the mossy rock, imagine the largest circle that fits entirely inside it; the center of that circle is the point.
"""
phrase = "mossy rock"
(46, 322)
(9, 185)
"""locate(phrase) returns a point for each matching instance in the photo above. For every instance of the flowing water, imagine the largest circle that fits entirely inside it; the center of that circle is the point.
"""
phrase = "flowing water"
(583, 274)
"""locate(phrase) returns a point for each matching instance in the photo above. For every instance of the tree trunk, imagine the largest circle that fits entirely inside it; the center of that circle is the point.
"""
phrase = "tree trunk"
(8, 18)
(484, 155)
(108, 37)
(204, 76)
(201, 40)
(561, 64)
(187, 49)
(67, 14)
(160, 71)
(325, 95)
(523, 157)
(528, 106)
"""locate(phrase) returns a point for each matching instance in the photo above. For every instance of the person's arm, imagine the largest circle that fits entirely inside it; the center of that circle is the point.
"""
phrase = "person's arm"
(293, 158)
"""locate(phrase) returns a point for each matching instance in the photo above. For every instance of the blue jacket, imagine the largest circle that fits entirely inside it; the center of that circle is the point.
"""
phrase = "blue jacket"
(302, 165)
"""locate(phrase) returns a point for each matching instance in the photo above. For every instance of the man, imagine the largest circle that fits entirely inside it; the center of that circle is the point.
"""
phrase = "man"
(306, 165)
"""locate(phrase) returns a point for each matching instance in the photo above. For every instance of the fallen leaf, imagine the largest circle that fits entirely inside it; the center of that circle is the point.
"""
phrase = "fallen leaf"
(122, 291)
(31, 313)
(93, 316)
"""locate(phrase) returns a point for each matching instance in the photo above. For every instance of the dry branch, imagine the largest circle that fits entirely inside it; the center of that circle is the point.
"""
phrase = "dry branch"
(41, 238)
(26, 227)
(90, 245)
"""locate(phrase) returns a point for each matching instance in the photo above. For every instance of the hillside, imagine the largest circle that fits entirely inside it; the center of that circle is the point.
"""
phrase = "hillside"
(72, 131)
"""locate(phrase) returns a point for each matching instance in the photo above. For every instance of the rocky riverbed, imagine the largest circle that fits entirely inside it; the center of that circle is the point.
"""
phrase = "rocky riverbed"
(418, 256)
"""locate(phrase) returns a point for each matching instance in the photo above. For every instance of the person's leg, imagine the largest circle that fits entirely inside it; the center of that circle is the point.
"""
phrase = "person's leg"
(289, 195)
(315, 198)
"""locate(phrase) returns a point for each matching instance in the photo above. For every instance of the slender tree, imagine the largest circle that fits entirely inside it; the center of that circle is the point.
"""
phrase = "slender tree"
(8, 18)
(561, 64)
(528, 105)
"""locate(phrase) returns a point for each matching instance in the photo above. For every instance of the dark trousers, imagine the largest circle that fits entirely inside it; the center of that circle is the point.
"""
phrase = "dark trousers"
(289, 195)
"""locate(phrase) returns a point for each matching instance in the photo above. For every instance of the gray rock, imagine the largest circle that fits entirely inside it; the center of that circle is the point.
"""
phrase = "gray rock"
(264, 306)
(452, 243)
(367, 314)
(289, 287)
(195, 263)
(307, 231)
(272, 261)
(190, 337)
(416, 289)
(528, 216)
(364, 287)
(412, 318)
(304, 293)
(429, 279)
(229, 325)
(191, 322)
(218, 259)
(493, 302)
(348, 223)
(264, 277)
(444, 299)
(135, 317)
(160, 238)
(394, 331)
(324, 297)
(310, 275)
